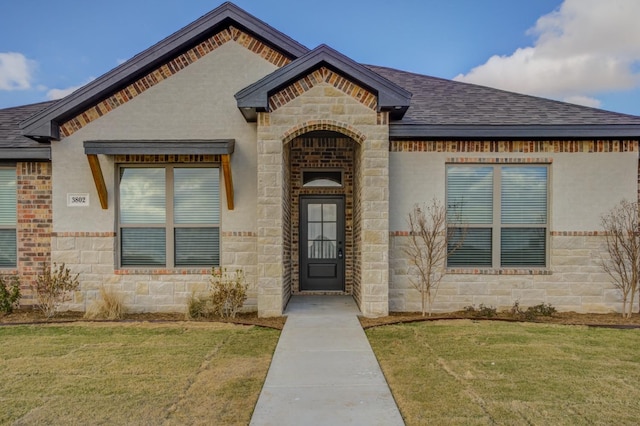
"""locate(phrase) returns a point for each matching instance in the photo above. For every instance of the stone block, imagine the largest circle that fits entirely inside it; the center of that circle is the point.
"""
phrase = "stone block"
(473, 289)
(161, 288)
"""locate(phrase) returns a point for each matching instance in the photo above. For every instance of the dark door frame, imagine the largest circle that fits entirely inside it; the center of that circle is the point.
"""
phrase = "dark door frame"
(327, 272)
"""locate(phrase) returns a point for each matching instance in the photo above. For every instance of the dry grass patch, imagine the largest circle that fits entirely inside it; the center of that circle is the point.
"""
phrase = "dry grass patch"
(468, 372)
(184, 373)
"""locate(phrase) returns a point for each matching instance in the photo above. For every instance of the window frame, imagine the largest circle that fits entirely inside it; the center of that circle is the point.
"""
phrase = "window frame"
(169, 225)
(13, 226)
(497, 224)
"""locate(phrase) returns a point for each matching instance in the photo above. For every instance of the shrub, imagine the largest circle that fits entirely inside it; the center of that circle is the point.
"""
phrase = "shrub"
(541, 310)
(110, 306)
(198, 307)
(228, 292)
(226, 296)
(481, 311)
(54, 287)
(9, 293)
(532, 312)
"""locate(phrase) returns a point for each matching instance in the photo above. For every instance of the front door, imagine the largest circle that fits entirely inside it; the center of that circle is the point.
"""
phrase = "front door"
(322, 243)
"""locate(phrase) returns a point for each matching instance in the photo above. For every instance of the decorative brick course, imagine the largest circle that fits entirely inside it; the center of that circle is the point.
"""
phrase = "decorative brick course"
(515, 146)
(322, 75)
(162, 158)
(169, 69)
(324, 125)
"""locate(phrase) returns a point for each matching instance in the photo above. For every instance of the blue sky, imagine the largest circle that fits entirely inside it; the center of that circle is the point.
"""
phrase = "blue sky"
(582, 51)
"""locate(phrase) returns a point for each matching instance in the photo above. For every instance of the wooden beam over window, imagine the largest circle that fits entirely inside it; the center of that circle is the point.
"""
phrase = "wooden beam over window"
(98, 179)
(228, 179)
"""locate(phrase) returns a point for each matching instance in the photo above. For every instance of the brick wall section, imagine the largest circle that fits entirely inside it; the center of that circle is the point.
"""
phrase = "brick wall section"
(597, 146)
(170, 68)
(321, 153)
(288, 247)
(34, 211)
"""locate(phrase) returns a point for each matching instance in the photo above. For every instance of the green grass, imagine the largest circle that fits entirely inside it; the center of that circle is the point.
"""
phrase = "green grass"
(477, 373)
(188, 373)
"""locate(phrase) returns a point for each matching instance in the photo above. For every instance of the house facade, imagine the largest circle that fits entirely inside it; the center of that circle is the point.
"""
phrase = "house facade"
(230, 144)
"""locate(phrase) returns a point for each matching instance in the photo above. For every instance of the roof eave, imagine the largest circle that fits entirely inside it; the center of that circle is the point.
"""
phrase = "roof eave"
(42, 123)
(425, 131)
(26, 153)
(255, 97)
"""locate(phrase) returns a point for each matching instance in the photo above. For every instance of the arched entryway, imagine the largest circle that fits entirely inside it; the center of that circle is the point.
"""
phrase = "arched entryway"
(321, 176)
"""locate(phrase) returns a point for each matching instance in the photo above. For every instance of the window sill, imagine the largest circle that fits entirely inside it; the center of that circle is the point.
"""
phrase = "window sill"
(8, 271)
(502, 271)
(163, 271)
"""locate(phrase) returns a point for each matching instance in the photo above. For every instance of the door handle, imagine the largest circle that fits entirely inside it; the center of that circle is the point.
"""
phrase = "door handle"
(340, 254)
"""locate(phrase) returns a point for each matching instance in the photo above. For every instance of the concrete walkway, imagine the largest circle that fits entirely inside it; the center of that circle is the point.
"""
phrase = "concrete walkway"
(323, 371)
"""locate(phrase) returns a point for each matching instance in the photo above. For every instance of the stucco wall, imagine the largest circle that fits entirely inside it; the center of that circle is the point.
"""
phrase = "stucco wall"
(582, 185)
(196, 103)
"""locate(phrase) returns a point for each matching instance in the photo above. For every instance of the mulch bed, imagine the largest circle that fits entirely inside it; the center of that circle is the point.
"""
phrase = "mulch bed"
(31, 316)
(613, 320)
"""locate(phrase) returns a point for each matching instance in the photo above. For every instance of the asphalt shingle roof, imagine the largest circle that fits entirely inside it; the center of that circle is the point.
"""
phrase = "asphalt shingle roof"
(10, 132)
(437, 101)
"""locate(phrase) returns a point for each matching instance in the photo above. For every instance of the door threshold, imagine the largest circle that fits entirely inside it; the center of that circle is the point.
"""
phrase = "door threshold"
(321, 293)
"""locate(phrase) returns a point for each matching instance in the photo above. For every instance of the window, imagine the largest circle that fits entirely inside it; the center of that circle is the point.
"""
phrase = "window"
(169, 216)
(316, 178)
(500, 213)
(8, 240)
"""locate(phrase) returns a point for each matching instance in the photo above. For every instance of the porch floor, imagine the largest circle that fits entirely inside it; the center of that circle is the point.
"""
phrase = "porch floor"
(323, 371)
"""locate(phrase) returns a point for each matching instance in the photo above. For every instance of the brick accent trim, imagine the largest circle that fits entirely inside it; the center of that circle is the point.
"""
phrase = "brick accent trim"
(323, 75)
(552, 233)
(332, 125)
(239, 234)
(177, 271)
(169, 69)
(597, 146)
(500, 160)
(173, 158)
(469, 271)
(83, 234)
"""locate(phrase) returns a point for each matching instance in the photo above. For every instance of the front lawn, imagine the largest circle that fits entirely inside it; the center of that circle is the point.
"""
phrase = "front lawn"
(484, 372)
(142, 373)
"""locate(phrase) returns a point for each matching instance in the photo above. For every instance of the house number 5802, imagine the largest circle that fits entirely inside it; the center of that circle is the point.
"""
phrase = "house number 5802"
(77, 200)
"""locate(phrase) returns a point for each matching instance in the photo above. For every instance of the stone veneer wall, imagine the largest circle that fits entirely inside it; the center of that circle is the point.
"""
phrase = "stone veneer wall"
(573, 282)
(34, 225)
(334, 153)
(92, 255)
(287, 242)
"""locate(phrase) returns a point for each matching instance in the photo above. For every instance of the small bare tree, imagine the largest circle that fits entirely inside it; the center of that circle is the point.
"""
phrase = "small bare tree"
(623, 246)
(428, 249)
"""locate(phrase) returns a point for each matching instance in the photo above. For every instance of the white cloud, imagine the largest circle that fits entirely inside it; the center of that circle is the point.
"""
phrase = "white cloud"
(583, 100)
(15, 71)
(53, 94)
(583, 48)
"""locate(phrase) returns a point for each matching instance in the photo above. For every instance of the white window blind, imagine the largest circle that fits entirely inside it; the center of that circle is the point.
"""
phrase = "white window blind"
(169, 210)
(8, 215)
(499, 213)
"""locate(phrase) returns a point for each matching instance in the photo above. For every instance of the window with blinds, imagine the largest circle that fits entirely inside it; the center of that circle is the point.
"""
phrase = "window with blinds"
(8, 218)
(169, 216)
(497, 215)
